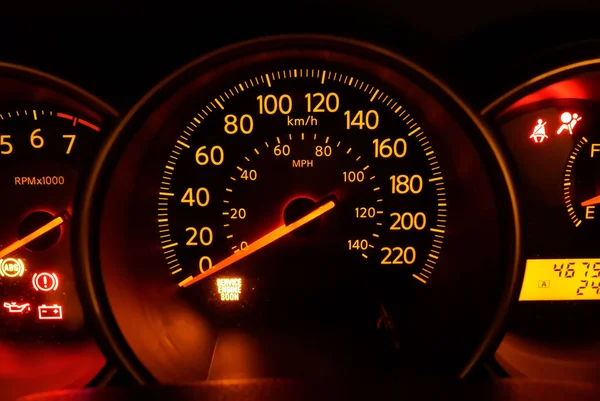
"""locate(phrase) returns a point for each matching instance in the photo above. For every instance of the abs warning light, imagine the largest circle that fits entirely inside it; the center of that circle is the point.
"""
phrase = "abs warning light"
(12, 267)
(229, 288)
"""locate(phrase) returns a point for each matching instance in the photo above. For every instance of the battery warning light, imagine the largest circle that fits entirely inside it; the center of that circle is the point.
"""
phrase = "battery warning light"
(229, 288)
(50, 312)
(12, 267)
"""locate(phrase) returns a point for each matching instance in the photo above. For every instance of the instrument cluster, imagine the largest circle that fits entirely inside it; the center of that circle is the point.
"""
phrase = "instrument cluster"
(295, 201)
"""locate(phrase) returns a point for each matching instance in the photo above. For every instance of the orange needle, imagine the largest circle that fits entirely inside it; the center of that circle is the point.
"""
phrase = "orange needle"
(590, 202)
(34, 235)
(260, 243)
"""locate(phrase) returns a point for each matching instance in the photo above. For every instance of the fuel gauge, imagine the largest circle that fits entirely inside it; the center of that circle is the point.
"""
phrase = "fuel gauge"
(582, 183)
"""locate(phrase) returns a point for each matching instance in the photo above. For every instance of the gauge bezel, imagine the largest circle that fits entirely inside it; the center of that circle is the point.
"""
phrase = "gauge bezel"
(538, 82)
(62, 87)
(91, 205)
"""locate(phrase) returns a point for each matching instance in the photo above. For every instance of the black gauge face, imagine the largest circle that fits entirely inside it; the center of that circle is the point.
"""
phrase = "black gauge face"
(42, 154)
(553, 137)
(49, 133)
(300, 208)
(328, 153)
(560, 180)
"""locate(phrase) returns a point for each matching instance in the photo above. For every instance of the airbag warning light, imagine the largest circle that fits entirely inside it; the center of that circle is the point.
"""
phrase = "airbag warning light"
(229, 288)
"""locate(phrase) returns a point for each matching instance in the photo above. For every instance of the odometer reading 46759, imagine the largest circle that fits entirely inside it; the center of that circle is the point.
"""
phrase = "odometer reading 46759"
(300, 169)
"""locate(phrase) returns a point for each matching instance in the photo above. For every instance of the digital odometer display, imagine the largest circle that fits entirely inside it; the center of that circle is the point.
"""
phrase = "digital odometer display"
(561, 280)
(300, 169)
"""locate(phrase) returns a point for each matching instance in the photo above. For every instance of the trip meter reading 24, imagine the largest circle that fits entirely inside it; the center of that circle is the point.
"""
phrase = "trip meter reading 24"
(300, 169)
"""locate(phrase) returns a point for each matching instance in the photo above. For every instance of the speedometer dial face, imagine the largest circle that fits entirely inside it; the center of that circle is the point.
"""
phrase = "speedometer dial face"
(272, 150)
(299, 202)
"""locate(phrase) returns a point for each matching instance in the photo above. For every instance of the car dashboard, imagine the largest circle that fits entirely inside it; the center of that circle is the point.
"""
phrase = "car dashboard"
(323, 200)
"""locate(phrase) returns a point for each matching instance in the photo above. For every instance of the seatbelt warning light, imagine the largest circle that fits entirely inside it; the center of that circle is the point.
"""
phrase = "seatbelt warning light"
(229, 288)
(539, 132)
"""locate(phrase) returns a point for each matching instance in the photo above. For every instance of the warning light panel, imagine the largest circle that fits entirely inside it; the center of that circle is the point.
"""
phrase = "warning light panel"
(565, 122)
(229, 288)
(561, 280)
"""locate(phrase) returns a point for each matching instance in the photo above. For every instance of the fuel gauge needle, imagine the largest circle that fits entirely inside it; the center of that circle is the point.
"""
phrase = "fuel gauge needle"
(260, 243)
(33, 236)
(591, 202)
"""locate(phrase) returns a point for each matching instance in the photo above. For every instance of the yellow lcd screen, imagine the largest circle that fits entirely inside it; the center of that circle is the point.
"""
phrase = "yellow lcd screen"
(561, 280)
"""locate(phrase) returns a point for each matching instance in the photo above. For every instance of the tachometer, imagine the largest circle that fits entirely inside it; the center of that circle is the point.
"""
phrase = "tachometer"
(297, 202)
(49, 133)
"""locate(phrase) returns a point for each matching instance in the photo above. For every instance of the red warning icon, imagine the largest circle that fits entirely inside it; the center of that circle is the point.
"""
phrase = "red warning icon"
(45, 281)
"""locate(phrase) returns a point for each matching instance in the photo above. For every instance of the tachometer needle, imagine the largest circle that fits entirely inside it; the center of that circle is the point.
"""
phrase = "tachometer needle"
(260, 243)
(33, 236)
(591, 202)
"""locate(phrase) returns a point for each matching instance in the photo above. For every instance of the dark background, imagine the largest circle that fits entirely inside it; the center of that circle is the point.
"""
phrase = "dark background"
(118, 50)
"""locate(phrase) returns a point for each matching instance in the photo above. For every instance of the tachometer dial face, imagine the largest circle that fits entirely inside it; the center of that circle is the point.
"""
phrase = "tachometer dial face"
(50, 132)
(299, 202)
(271, 154)
(42, 155)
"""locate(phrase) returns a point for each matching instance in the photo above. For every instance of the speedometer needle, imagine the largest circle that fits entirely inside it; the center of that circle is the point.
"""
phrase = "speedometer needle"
(590, 202)
(33, 236)
(260, 243)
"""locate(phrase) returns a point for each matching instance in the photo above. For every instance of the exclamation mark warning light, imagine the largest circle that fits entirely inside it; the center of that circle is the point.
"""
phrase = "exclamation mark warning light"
(45, 281)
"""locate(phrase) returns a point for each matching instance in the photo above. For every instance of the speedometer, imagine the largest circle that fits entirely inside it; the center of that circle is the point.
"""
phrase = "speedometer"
(296, 202)
(322, 169)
